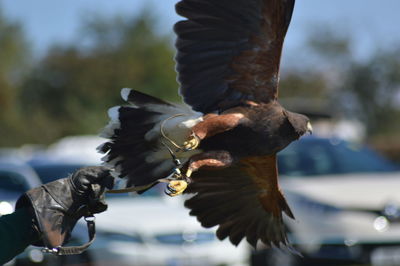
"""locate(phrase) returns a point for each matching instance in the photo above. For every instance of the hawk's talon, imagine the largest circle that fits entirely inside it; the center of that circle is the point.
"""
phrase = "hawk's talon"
(169, 190)
(177, 174)
(175, 187)
(188, 179)
(192, 143)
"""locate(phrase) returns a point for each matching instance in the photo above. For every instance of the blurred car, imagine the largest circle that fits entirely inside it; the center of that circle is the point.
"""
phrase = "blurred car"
(15, 178)
(49, 170)
(346, 199)
(66, 156)
(77, 149)
(157, 230)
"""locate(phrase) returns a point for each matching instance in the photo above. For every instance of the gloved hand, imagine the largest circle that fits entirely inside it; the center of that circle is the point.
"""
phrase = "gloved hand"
(58, 205)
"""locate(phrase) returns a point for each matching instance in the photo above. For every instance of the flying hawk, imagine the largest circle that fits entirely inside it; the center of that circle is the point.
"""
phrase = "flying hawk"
(228, 56)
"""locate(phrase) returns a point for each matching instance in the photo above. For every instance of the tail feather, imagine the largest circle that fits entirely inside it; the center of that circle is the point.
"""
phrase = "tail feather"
(141, 99)
(134, 147)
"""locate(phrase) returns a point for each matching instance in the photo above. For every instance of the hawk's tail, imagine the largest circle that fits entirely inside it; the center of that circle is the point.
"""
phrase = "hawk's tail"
(135, 146)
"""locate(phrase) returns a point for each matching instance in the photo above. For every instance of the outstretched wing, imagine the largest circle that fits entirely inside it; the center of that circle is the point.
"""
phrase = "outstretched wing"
(244, 201)
(229, 50)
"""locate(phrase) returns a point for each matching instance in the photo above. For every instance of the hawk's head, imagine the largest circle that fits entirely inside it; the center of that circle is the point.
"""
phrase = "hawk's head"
(300, 123)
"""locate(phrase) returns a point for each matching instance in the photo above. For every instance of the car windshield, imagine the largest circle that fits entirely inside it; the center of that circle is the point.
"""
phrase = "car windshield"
(51, 172)
(12, 182)
(314, 156)
(180, 238)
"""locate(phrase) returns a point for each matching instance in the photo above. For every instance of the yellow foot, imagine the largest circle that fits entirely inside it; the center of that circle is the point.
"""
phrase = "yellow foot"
(192, 143)
(176, 187)
(189, 173)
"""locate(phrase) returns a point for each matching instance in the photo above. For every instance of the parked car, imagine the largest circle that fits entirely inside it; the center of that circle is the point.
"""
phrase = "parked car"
(15, 178)
(346, 201)
(49, 170)
(157, 230)
(66, 156)
(77, 149)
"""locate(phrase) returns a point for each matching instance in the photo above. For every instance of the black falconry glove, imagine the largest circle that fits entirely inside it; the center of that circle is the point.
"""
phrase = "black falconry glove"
(58, 205)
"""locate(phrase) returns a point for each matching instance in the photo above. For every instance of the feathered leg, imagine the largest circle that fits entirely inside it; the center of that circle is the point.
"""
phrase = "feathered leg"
(206, 160)
(211, 125)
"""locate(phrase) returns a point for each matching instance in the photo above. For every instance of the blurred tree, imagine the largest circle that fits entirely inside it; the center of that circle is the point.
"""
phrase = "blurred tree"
(14, 58)
(375, 87)
(71, 89)
(366, 89)
(303, 84)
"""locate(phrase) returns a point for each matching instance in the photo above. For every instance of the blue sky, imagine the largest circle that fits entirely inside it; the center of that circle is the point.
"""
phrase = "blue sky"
(373, 23)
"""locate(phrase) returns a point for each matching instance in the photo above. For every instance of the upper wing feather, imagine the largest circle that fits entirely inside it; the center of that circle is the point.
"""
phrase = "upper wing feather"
(244, 201)
(229, 50)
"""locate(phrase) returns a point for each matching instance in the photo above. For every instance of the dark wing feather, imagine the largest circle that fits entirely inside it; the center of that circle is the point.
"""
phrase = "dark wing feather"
(229, 50)
(244, 201)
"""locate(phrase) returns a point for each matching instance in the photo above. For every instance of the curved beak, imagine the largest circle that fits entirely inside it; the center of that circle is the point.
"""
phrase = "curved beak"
(309, 128)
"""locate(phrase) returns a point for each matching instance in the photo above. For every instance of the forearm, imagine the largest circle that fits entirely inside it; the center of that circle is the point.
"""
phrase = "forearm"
(16, 233)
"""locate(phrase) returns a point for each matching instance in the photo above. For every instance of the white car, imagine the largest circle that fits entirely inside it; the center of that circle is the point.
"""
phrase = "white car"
(157, 230)
(15, 178)
(346, 200)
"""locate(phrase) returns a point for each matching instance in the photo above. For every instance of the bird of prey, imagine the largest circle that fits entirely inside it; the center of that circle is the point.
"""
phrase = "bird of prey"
(228, 57)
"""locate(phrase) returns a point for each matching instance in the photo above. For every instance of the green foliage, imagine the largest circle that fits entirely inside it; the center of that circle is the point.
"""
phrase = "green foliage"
(374, 85)
(333, 45)
(303, 84)
(366, 89)
(13, 60)
(70, 90)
